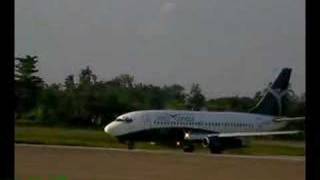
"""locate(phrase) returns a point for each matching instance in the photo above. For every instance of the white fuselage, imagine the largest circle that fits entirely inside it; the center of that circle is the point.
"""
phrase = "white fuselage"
(217, 122)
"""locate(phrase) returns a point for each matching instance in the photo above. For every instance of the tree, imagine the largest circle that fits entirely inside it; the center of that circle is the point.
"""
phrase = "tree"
(86, 77)
(27, 84)
(49, 105)
(69, 83)
(175, 92)
(175, 104)
(195, 100)
(235, 103)
(123, 80)
(26, 69)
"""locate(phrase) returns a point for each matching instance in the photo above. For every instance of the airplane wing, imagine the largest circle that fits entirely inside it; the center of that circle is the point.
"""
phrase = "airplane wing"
(283, 119)
(192, 137)
(246, 134)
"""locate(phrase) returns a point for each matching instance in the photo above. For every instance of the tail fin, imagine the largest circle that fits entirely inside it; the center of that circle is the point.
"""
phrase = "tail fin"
(272, 101)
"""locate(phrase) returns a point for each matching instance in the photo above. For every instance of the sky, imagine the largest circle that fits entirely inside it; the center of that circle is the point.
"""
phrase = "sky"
(229, 47)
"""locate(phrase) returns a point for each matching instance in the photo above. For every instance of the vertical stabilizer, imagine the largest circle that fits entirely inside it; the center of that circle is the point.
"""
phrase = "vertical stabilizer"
(272, 102)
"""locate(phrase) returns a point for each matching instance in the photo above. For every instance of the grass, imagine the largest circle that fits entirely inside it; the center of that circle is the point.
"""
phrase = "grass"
(97, 138)
(70, 136)
(267, 149)
(63, 136)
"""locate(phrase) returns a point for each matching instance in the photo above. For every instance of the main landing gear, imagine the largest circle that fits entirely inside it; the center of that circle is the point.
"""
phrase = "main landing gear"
(215, 150)
(130, 144)
(188, 147)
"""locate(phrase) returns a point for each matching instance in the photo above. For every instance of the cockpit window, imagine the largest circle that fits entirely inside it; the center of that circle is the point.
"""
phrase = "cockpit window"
(127, 120)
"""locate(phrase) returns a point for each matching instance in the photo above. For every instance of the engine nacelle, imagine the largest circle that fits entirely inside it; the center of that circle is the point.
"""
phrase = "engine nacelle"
(211, 142)
(205, 142)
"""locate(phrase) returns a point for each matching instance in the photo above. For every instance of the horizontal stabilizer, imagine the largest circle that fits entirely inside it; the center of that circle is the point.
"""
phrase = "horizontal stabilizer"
(245, 134)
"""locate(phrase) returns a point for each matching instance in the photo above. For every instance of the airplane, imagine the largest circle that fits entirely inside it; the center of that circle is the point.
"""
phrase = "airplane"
(215, 130)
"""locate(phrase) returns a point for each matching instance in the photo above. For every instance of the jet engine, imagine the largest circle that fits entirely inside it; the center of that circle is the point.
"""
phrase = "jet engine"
(213, 143)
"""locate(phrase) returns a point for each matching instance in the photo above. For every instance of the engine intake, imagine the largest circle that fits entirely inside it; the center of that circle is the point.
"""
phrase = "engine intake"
(205, 142)
(213, 143)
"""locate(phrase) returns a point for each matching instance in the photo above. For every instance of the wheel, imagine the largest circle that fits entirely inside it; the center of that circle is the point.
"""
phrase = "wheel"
(188, 148)
(215, 150)
(130, 145)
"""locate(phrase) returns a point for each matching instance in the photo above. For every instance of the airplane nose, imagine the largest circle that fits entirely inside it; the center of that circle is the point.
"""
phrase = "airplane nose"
(110, 128)
(106, 129)
(113, 129)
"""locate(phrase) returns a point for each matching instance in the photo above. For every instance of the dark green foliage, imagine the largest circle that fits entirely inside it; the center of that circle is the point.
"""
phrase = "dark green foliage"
(295, 108)
(69, 83)
(90, 102)
(123, 80)
(27, 84)
(196, 99)
(240, 104)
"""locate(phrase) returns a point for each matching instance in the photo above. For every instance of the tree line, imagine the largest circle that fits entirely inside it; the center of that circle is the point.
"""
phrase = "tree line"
(89, 101)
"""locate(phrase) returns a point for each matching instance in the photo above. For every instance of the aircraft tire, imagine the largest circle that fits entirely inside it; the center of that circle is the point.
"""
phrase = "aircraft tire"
(215, 150)
(130, 145)
(188, 148)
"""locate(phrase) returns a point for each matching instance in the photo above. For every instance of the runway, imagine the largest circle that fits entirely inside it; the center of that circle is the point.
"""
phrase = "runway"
(69, 162)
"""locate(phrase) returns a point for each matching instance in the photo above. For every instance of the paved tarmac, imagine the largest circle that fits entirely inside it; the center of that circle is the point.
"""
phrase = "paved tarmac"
(54, 162)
